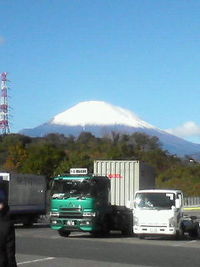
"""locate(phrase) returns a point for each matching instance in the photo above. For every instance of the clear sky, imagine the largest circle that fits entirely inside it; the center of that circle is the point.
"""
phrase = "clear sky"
(143, 55)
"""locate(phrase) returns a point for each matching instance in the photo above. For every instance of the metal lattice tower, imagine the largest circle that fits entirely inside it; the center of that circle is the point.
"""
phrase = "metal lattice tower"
(4, 122)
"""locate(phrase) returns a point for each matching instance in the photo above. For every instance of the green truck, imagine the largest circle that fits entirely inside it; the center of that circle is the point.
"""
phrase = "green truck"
(98, 202)
(81, 202)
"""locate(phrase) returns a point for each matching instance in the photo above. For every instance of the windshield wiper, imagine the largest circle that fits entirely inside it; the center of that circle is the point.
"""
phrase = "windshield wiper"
(60, 196)
(66, 196)
(82, 196)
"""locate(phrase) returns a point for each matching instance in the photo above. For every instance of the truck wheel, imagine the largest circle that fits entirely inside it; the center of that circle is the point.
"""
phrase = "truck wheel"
(179, 234)
(198, 232)
(105, 229)
(194, 233)
(95, 234)
(64, 233)
(141, 236)
(28, 222)
(127, 231)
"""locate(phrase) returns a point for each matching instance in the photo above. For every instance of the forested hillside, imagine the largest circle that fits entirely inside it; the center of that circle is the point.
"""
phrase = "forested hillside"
(56, 154)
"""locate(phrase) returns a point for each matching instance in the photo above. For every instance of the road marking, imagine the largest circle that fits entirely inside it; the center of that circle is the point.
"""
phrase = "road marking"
(192, 241)
(38, 260)
(185, 244)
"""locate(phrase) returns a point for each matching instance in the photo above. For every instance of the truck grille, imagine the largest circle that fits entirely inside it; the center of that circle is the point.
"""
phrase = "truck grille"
(75, 215)
(154, 225)
(70, 209)
(70, 213)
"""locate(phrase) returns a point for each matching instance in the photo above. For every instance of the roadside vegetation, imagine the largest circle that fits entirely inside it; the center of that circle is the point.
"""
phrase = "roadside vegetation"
(55, 154)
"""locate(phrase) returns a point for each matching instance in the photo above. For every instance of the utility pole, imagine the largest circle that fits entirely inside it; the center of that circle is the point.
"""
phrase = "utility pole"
(4, 108)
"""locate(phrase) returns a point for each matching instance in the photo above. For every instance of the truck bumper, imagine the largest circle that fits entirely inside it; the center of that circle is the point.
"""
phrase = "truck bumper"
(146, 230)
(86, 224)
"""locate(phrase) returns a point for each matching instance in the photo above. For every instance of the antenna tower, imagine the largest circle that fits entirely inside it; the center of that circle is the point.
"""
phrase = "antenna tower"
(4, 123)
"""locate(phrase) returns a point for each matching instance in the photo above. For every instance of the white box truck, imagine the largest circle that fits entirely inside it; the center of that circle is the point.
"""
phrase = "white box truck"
(160, 212)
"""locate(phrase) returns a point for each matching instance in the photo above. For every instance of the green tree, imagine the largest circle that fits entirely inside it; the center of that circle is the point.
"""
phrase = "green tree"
(43, 159)
(17, 154)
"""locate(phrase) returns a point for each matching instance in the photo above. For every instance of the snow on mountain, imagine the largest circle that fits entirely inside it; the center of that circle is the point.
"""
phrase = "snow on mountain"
(98, 113)
(101, 118)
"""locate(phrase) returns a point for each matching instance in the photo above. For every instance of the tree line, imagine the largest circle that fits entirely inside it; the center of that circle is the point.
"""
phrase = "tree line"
(55, 154)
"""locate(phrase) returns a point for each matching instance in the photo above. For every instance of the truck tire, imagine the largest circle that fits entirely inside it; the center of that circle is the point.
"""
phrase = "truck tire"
(195, 233)
(105, 229)
(141, 236)
(28, 222)
(64, 233)
(179, 234)
(96, 234)
(198, 232)
(128, 230)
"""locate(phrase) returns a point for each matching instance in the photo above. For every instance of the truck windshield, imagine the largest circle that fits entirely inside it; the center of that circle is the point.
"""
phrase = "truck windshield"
(155, 200)
(71, 188)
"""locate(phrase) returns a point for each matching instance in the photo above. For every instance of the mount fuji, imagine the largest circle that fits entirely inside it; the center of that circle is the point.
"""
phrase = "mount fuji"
(101, 118)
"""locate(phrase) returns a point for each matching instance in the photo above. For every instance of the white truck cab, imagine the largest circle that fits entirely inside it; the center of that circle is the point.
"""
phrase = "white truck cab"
(158, 212)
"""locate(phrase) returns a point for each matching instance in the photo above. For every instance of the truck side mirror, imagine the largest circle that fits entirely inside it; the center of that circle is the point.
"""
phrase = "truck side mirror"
(129, 204)
(178, 203)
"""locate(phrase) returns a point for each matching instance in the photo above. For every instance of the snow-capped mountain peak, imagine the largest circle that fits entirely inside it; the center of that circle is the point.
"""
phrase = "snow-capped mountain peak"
(98, 113)
(102, 119)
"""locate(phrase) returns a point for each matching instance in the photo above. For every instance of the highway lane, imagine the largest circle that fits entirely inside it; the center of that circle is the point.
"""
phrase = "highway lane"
(41, 246)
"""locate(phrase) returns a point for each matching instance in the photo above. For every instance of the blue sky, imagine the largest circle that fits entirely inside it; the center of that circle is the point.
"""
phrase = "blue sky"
(143, 55)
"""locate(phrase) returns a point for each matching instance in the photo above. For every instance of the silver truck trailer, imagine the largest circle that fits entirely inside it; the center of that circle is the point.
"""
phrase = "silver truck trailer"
(127, 177)
(26, 196)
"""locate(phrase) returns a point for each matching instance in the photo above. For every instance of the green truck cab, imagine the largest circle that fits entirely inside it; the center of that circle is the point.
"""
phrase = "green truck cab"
(81, 202)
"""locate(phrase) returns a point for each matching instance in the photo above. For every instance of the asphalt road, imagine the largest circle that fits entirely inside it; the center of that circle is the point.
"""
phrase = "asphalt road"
(40, 246)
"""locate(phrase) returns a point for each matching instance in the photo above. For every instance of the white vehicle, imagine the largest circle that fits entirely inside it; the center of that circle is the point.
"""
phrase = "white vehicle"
(160, 212)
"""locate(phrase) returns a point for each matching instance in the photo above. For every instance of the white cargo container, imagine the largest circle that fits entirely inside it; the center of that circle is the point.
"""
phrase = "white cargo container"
(127, 177)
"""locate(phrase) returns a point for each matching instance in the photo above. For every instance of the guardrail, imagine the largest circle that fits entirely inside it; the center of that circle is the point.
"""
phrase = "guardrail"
(191, 201)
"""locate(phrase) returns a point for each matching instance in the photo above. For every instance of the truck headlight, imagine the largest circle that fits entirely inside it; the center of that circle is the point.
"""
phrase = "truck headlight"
(136, 221)
(172, 222)
(54, 214)
(54, 222)
(89, 214)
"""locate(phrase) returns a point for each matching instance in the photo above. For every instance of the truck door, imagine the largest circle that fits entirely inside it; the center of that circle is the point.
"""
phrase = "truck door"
(179, 200)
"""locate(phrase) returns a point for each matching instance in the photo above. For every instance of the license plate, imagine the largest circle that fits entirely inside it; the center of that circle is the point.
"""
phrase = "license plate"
(70, 223)
(153, 230)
